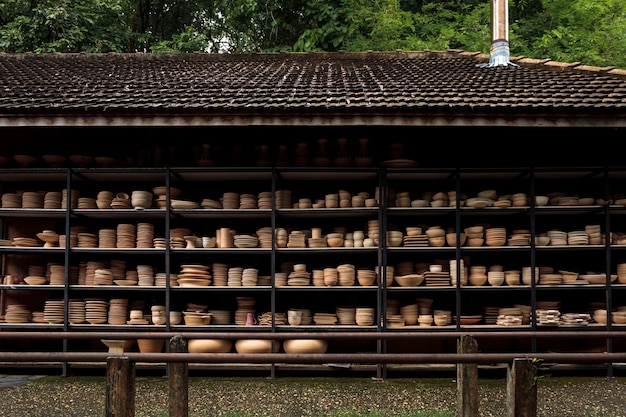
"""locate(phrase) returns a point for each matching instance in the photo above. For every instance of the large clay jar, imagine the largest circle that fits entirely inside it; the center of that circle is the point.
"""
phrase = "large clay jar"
(256, 346)
(305, 346)
(209, 345)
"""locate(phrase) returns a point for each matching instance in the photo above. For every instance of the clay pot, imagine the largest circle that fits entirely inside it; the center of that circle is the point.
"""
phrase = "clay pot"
(256, 346)
(209, 345)
(305, 346)
(150, 345)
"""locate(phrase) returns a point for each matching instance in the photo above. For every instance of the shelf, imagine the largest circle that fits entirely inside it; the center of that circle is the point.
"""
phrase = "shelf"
(199, 182)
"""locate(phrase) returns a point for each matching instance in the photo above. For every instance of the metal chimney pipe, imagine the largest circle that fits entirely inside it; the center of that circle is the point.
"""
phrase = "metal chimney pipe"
(499, 51)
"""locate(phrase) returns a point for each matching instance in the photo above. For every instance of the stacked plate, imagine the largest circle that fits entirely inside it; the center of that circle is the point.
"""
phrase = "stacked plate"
(249, 277)
(299, 278)
(126, 235)
(548, 317)
(509, 316)
(87, 203)
(90, 271)
(366, 277)
(551, 279)
(557, 237)
(145, 275)
(77, 313)
(365, 316)
(264, 200)
(220, 274)
(325, 319)
(57, 274)
(52, 200)
(194, 276)
(409, 313)
(220, 316)
(20, 313)
(118, 311)
(495, 236)
(145, 235)
(11, 200)
(578, 237)
(575, 319)
(283, 199)
(235, 274)
(346, 275)
(54, 311)
(107, 238)
(264, 235)
(32, 199)
(26, 242)
(246, 241)
(247, 201)
(416, 240)
(519, 238)
(346, 315)
(103, 276)
(296, 239)
(230, 200)
(96, 310)
(395, 320)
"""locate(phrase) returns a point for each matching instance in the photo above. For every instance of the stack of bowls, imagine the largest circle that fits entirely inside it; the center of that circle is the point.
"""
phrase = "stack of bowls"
(141, 199)
(365, 316)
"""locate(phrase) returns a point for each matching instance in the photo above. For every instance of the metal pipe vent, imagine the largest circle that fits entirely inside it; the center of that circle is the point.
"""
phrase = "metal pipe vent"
(499, 50)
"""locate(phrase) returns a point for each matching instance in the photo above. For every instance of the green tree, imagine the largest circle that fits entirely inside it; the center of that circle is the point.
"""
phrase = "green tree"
(589, 31)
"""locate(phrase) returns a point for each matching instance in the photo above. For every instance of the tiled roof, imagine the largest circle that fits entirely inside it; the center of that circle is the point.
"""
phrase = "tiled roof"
(312, 82)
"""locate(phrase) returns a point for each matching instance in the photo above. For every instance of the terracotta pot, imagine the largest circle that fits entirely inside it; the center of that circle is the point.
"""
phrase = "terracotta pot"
(209, 346)
(256, 346)
(305, 346)
(150, 345)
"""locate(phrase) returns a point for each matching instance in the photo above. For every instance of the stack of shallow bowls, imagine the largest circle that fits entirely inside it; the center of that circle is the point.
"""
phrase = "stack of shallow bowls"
(495, 278)
(334, 240)
(394, 238)
(495, 236)
(365, 316)
(477, 275)
(425, 319)
(366, 277)
(409, 312)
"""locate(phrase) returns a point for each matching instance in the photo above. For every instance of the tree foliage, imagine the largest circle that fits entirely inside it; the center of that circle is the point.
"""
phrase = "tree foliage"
(588, 31)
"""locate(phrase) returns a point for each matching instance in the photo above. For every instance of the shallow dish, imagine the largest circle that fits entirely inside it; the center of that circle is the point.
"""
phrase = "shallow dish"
(410, 280)
(30, 280)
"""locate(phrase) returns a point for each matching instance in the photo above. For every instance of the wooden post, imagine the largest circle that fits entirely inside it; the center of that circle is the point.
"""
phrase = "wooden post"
(467, 380)
(522, 389)
(120, 390)
(179, 380)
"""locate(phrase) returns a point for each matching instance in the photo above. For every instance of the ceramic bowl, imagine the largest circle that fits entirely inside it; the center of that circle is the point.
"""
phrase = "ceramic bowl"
(26, 161)
(256, 346)
(409, 280)
(55, 161)
(150, 345)
(305, 346)
(541, 200)
(35, 280)
(209, 345)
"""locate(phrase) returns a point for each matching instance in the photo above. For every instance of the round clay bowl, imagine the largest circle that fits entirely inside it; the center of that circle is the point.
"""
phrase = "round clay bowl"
(334, 242)
(209, 345)
(256, 346)
(150, 345)
(305, 346)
